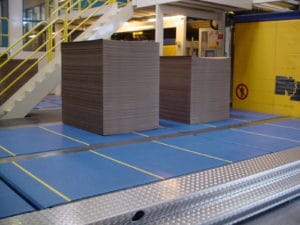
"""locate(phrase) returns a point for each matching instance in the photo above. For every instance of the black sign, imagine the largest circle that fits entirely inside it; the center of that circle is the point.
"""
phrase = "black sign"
(288, 85)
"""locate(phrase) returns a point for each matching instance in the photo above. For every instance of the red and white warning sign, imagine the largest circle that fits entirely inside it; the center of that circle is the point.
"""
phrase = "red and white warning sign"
(241, 91)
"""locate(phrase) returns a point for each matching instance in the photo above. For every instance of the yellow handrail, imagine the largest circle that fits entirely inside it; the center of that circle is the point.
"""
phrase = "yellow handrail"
(49, 43)
(31, 66)
(32, 54)
(2, 34)
(90, 15)
(20, 40)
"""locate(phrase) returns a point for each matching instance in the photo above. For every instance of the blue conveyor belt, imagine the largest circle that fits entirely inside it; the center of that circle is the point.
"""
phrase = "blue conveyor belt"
(292, 123)
(274, 131)
(265, 143)
(33, 139)
(88, 137)
(75, 176)
(226, 150)
(11, 203)
(162, 160)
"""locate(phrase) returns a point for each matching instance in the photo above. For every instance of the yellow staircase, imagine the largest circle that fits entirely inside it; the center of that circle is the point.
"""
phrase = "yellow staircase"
(63, 22)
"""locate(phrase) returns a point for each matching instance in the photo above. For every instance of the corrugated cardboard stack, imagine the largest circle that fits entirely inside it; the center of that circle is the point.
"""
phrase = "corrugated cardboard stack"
(175, 86)
(194, 90)
(110, 87)
(7, 68)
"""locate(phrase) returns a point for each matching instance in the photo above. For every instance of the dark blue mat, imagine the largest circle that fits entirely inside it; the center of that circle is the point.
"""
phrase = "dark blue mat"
(33, 139)
(251, 140)
(162, 160)
(225, 150)
(89, 137)
(11, 203)
(76, 175)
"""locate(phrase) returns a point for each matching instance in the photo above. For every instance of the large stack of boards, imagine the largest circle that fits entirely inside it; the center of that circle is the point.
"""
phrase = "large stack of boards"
(194, 90)
(17, 74)
(110, 87)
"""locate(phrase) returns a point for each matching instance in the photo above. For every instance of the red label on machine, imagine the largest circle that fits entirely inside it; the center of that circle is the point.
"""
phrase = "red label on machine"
(220, 36)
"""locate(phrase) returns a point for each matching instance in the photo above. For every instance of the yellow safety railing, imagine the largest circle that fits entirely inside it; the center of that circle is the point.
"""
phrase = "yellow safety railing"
(48, 28)
(31, 31)
(30, 57)
(3, 20)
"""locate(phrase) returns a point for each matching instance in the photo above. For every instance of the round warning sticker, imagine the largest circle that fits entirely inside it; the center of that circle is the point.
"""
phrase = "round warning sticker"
(241, 91)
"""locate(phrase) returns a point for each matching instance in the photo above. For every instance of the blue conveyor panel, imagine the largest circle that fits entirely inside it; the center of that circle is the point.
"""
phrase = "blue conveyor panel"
(259, 142)
(39, 196)
(250, 115)
(11, 203)
(293, 123)
(33, 139)
(162, 160)
(225, 150)
(281, 132)
(75, 175)
(88, 137)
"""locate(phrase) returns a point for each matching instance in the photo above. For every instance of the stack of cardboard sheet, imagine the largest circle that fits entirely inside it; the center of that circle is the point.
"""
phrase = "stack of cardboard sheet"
(110, 87)
(194, 90)
(6, 70)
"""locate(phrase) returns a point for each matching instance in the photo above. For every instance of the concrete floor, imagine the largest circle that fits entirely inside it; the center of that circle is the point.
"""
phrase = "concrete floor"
(286, 214)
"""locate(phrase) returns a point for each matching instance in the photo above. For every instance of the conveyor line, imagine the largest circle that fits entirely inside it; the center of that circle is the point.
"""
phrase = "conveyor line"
(189, 149)
(222, 195)
(39, 148)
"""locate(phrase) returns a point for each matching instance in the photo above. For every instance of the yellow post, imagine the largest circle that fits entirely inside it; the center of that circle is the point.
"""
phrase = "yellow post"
(50, 43)
(79, 5)
(65, 31)
(47, 9)
(1, 34)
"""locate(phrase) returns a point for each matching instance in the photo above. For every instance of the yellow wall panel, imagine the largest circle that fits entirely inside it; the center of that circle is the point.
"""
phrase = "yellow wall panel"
(264, 51)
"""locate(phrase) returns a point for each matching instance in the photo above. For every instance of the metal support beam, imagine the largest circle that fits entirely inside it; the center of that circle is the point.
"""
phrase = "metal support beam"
(241, 4)
(15, 12)
(181, 37)
(159, 28)
(189, 12)
(221, 24)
